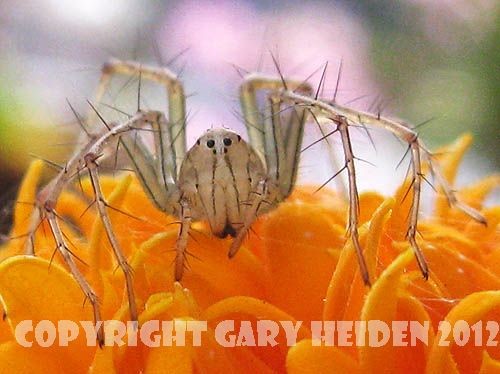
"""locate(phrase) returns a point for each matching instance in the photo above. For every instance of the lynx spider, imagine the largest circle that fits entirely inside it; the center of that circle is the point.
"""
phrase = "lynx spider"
(222, 178)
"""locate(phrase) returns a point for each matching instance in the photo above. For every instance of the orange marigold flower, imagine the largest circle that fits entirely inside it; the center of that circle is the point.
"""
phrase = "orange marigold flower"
(295, 267)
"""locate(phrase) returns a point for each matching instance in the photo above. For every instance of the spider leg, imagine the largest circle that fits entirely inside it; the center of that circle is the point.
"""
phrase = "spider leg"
(254, 119)
(338, 113)
(450, 194)
(80, 279)
(279, 144)
(293, 135)
(49, 195)
(341, 114)
(90, 160)
(156, 172)
(176, 98)
(182, 239)
(342, 127)
(251, 214)
(414, 210)
(274, 141)
(35, 221)
(51, 192)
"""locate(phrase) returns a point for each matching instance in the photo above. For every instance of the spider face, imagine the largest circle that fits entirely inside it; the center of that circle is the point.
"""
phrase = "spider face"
(220, 141)
(218, 176)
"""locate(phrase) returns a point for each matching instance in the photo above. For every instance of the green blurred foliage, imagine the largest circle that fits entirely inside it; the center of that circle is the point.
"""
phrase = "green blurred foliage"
(25, 132)
(457, 84)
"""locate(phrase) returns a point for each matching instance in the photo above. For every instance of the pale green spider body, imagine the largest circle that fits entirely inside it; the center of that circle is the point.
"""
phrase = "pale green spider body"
(218, 176)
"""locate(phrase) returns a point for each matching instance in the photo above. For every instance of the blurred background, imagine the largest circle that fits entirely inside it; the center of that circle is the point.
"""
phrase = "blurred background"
(411, 59)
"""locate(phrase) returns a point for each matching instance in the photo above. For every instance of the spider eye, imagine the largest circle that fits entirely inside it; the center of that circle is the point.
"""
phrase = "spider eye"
(227, 142)
(210, 143)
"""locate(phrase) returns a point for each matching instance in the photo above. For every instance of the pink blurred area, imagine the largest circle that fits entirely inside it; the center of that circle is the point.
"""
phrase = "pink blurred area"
(228, 36)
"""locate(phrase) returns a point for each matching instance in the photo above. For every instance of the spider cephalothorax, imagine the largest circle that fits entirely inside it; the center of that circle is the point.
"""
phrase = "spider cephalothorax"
(218, 176)
(222, 178)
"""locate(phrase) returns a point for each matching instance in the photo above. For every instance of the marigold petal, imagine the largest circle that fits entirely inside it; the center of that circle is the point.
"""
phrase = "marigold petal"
(476, 193)
(112, 295)
(339, 288)
(473, 308)
(296, 241)
(397, 225)
(450, 157)
(243, 308)
(5, 331)
(412, 356)
(151, 275)
(170, 359)
(76, 208)
(26, 198)
(211, 275)
(103, 361)
(382, 304)
(306, 358)
(369, 202)
(17, 359)
(345, 292)
(250, 306)
(489, 365)
(460, 275)
(33, 289)
(488, 235)
(453, 238)
(169, 305)
(212, 357)
(23, 210)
